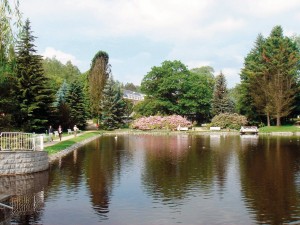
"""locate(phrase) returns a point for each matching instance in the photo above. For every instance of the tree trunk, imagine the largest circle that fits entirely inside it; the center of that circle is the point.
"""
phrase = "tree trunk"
(278, 122)
(268, 119)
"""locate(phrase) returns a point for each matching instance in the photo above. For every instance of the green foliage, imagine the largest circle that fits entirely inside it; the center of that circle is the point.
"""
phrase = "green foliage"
(75, 100)
(57, 72)
(61, 94)
(112, 106)
(173, 89)
(10, 25)
(227, 120)
(269, 77)
(8, 103)
(98, 75)
(100, 55)
(221, 102)
(32, 88)
(198, 91)
(132, 87)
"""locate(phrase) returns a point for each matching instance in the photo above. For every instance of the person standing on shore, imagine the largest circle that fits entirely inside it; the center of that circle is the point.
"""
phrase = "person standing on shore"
(50, 131)
(59, 132)
(75, 130)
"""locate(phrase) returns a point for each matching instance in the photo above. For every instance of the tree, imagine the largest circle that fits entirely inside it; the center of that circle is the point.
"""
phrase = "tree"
(246, 102)
(58, 72)
(270, 75)
(10, 25)
(282, 63)
(32, 92)
(198, 90)
(164, 87)
(120, 105)
(132, 87)
(62, 107)
(75, 100)
(221, 102)
(112, 106)
(10, 22)
(99, 73)
(173, 89)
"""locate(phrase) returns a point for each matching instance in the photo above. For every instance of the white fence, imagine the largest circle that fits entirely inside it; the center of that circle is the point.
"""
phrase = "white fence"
(18, 141)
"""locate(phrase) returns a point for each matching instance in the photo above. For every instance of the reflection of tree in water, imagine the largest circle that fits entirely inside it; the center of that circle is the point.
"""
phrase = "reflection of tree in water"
(222, 146)
(178, 169)
(68, 172)
(268, 179)
(102, 167)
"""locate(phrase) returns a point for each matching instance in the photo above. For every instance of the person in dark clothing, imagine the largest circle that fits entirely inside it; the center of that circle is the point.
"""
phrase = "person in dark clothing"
(50, 131)
(59, 132)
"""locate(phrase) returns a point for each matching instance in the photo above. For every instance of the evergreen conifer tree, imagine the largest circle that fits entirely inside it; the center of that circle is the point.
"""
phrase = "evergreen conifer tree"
(120, 106)
(221, 102)
(75, 100)
(62, 108)
(32, 88)
(270, 75)
(112, 106)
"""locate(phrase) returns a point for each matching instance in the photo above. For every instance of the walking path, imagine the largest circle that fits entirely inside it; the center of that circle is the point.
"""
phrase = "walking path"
(64, 138)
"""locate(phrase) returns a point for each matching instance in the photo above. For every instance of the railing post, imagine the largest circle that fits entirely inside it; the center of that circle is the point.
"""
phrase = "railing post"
(42, 142)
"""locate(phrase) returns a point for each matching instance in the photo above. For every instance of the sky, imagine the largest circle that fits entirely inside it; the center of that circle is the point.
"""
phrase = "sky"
(141, 34)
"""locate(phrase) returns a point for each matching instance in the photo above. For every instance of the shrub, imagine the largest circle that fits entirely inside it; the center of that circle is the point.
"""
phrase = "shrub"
(227, 120)
(159, 122)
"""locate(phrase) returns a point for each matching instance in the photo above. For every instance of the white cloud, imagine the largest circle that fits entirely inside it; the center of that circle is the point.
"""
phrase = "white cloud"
(232, 76)
(199, 33)
(59, 55)
(265, 8)
(196, 64)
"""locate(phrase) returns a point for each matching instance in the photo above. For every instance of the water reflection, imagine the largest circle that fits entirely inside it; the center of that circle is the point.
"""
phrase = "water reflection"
(193, 167)
(25, 193)
(168, 179)
(268, 180)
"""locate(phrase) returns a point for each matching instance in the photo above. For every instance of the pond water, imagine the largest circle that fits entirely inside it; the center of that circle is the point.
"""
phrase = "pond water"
(169, 179)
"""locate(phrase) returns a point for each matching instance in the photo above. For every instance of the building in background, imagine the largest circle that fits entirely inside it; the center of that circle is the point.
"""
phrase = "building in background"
(133, 96)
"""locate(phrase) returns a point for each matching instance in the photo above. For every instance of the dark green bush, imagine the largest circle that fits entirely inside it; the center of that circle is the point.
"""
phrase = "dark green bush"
(227, 120)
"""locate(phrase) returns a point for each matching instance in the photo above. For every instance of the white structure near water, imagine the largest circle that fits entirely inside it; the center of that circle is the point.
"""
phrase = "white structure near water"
(22, 153)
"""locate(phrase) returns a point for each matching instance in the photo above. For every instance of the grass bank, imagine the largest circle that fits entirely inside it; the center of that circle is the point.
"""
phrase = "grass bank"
(67, 143)
(289, 128)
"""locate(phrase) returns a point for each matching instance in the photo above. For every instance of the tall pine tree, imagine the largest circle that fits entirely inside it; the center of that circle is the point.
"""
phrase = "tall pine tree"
(221, 102)
(75, 100)
(112, 106)
(32, 89)
(62, 107)
(270, 75)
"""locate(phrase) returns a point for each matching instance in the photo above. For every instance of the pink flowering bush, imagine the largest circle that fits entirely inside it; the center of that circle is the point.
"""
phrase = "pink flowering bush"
(159, 122)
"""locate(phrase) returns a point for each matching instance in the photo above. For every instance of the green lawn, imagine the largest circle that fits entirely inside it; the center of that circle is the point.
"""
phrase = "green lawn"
(289, 128)
(67, 143)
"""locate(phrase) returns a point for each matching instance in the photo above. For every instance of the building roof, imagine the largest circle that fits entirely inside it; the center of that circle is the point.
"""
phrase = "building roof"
(133, 95)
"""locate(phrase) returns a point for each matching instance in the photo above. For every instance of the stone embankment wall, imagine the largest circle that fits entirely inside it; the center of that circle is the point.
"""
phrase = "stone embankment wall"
(61, 154)
(23, 162)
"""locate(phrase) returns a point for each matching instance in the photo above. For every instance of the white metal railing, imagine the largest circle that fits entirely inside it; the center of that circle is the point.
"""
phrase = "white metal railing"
(18, 141)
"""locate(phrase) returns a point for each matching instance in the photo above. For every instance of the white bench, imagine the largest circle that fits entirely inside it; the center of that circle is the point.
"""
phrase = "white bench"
(55, 133)
(248, 129)
(179, 128)
(215, 128)
(70, 131)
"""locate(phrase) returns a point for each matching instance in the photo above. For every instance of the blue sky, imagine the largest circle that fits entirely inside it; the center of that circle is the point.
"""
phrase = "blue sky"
(140, 34)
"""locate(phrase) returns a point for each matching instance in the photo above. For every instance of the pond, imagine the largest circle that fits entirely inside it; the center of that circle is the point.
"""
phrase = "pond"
(168, 179)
